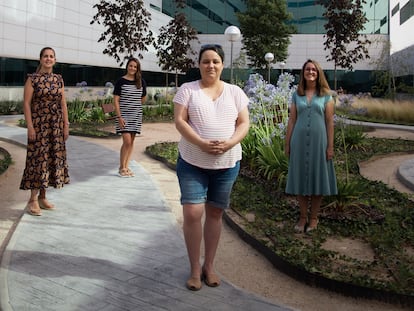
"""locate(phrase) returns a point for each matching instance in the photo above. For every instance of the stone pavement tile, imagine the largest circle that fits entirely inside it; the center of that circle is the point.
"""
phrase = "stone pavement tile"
(111, 244)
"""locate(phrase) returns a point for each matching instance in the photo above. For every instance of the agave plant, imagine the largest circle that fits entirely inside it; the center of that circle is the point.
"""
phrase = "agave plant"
(348, 195)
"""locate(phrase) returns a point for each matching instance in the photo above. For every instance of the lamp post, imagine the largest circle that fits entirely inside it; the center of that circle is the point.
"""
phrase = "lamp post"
(232, 34)
(269, 57)
(282, 66)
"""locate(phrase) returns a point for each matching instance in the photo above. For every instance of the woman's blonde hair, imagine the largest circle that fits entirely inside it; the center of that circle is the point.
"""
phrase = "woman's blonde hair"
(322, 86)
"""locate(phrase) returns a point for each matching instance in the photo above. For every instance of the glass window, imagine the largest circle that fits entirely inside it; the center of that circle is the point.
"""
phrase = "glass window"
(395, 9)
(406, 11)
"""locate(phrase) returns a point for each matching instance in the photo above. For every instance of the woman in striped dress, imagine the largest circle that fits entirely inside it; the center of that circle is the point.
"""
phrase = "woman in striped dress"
(129, 94)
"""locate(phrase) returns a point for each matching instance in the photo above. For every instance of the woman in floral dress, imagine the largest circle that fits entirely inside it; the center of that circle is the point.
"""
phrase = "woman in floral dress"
(47, 122)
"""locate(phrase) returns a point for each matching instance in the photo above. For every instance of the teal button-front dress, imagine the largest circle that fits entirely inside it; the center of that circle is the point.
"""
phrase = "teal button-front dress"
(309, 172)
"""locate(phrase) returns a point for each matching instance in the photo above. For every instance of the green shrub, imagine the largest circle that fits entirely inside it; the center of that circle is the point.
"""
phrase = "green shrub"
(272, 163)
(351, 136)
(97, 115)
(5, 160)
(11, 107)
(77, 111)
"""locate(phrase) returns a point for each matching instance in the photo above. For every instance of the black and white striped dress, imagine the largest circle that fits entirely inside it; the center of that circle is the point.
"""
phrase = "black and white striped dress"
(130, 104)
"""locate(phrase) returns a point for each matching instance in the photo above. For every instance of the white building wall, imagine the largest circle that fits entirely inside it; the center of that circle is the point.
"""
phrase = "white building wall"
(26, 26)
(401, 36)
(301, 48)
(402, 42)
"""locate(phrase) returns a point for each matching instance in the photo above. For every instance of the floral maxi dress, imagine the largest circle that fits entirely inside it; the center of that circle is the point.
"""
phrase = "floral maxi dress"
(46, 163)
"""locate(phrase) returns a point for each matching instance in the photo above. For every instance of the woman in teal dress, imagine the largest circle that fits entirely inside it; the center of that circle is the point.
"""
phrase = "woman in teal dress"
(310, 145)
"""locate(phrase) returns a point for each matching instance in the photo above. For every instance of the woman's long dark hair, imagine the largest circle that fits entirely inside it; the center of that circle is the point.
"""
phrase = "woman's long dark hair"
(42, 51)
(138, 74)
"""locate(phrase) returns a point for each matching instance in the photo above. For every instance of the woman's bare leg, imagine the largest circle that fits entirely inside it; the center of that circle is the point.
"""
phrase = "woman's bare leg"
(316, 201)
(131, 149)
(192, 229)
(212, 232)
(303, 206)
(125, 151)
(33, 204)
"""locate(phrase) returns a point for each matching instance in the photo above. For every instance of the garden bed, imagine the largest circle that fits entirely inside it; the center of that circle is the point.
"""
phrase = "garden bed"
(365, 251)
(239, 224)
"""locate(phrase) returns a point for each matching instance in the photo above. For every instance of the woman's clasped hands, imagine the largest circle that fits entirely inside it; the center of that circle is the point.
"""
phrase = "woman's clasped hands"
(215, 146)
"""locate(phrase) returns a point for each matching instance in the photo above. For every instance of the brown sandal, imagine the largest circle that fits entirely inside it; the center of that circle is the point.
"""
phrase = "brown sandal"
(45, 204)
(130, 172)
(33, 208)
(124, 173)
(193, 283)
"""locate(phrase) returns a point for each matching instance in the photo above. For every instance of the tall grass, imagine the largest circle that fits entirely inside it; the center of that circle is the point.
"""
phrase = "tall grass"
(385, 110)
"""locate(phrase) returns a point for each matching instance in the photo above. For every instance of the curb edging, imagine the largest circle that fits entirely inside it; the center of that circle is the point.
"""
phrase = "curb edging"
(313, 279)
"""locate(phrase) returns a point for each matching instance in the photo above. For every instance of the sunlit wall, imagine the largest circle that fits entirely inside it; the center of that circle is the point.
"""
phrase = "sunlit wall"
(401, 37)
(28, 26)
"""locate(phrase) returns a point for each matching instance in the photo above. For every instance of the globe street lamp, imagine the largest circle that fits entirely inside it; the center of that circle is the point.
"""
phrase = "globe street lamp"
(232, 34)
(282, 66)
(269, 57)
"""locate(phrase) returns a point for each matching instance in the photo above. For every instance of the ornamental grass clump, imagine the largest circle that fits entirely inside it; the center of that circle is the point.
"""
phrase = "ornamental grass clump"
(263, 147)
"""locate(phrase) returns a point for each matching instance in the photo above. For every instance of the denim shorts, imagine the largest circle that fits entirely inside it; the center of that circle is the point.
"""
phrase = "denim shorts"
(200, 185)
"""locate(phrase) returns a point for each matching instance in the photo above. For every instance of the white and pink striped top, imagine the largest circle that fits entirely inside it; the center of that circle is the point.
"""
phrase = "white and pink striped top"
(211, 120)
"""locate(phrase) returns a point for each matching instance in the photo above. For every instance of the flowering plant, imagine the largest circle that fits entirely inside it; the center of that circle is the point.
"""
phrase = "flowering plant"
(263, 148)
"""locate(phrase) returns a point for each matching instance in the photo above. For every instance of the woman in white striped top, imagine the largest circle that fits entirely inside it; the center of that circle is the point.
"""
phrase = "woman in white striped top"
(212, 118)
(129, 94)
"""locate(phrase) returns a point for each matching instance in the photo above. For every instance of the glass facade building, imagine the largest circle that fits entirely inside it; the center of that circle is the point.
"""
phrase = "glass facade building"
(208, 16)
(307, 17)
(214, 16)
(80, 57)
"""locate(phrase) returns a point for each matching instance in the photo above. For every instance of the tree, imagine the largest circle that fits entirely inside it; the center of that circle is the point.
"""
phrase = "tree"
(345, 21)
(173, 43)
(264, 29)
(127, 30)
(383, 73)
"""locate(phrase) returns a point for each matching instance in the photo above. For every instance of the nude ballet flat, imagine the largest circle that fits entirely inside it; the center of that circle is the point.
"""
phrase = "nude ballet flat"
(211, 280)
(193, 283)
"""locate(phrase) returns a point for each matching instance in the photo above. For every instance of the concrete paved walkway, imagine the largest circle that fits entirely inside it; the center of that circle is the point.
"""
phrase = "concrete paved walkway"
(405, 172)
(111, 244)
